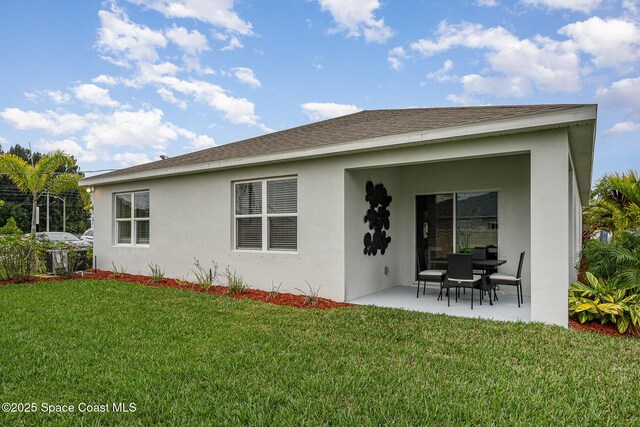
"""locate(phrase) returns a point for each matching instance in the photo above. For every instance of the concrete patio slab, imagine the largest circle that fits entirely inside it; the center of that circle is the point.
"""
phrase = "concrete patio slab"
(404, 297)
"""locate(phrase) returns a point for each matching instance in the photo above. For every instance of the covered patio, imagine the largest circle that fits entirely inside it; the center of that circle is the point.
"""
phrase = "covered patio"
(404, 297)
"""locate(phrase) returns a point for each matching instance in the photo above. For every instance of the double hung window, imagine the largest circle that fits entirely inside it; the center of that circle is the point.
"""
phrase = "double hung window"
(132, 218)
(266, 215)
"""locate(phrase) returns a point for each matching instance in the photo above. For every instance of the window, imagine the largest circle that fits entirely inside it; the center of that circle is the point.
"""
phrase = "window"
(270, 226)
(132, 218)
(454, 222)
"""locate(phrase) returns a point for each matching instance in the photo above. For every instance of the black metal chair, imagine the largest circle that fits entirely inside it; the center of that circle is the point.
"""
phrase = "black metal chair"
(424, 275)
(460, 275)
(483, 254)
(510, 280)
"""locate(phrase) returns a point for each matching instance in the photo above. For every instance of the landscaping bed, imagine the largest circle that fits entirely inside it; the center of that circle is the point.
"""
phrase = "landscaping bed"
(277, 298)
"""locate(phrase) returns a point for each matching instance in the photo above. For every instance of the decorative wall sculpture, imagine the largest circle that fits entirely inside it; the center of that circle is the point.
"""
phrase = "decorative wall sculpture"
(378, 218)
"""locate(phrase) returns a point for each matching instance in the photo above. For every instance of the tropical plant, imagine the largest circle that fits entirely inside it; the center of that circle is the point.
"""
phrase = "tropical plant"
(40, 178)
(618, 258)
(606, 301)
(614, 203)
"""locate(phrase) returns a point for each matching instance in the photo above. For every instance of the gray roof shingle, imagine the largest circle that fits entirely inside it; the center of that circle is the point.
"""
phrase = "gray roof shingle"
(353, 127)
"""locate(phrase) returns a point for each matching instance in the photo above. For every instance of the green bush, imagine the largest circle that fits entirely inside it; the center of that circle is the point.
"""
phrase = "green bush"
(606, 301)
(609, 287)
(10, 228)
(18, 257)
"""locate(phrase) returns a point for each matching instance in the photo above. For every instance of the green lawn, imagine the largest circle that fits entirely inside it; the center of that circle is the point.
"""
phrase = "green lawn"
(186, 358)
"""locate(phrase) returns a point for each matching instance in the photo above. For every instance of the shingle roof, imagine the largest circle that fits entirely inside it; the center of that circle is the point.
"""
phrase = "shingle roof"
(353, 127)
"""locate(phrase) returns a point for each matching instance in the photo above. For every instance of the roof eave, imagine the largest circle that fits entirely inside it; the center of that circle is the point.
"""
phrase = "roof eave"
(549, 120)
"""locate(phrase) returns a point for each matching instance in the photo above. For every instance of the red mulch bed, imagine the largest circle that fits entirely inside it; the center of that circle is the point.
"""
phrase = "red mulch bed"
(607, 329)
(277, 298)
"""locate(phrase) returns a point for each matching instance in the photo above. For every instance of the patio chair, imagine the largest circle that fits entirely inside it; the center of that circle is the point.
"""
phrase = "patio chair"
(435, 276)
(460, 275)
(510, 280)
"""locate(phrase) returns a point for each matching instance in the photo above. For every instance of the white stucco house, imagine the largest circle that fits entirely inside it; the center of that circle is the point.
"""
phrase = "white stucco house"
(289, 206)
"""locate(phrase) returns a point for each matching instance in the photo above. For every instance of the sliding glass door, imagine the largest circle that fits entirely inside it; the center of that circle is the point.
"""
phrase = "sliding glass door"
(455, 220)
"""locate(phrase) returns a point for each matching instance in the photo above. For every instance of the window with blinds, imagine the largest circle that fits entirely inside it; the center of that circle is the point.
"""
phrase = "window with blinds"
(268, 226)
(132, 217)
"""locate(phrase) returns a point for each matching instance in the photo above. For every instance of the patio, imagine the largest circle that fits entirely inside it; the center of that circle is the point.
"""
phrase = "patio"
(404, 297)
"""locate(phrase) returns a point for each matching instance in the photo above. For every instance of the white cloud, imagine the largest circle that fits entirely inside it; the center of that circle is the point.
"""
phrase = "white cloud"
(95, 95)
(496, 86)
(170, 97)
(68, 146)
(396, 56)
(131, 129)
(236, 110)
(585, 6)
(48, 121)
(442, 75)
(357, 18)
(192, 42)
(245, 75)
(487, 3)
(234, 43)
(622, 128)
(105, 80)
(464, 100)
(123, 41)
(547, 64)
(4, 142)
(612, 43)
(624, 93)
(218, 13)
(131, 159)
(327, 110)
(58, 97)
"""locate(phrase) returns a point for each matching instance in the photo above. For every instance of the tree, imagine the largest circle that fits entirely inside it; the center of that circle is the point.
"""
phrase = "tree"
(615, 203)
(40, 178)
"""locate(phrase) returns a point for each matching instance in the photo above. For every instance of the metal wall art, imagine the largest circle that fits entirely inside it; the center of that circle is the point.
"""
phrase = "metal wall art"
(378, 218)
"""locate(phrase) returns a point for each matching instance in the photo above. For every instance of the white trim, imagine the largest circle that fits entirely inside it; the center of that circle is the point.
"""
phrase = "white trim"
(132, 219)
(264, 215)
(585, 115)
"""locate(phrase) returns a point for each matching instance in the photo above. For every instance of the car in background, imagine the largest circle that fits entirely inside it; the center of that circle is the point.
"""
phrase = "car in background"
(87, 237)
(60, 236)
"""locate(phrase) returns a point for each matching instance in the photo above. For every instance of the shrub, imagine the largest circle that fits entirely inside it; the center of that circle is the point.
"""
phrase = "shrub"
(10, 228)
(235, 282)
(273, 292)
(117, 273)
(606, 301)
(204, 278)
(311, 297)
(18, 257)
(156, 273)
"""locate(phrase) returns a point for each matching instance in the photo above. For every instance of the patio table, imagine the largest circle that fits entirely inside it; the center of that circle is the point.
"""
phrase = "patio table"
(484, 265)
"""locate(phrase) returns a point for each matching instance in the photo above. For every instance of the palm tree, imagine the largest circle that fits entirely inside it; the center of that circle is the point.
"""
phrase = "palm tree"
(40, 178)
(615, 203)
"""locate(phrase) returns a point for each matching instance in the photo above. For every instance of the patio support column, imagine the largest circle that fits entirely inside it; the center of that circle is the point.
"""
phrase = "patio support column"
(550, 271)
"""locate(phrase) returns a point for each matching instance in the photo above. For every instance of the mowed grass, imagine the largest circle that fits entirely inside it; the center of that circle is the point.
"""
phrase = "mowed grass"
(193, 359)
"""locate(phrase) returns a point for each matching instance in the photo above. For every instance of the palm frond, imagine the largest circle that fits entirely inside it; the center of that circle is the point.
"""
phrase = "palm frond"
(17, 170)
(63, 182)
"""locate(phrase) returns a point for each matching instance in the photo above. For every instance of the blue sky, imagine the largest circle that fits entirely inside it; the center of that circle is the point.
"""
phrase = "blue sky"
(117, 83)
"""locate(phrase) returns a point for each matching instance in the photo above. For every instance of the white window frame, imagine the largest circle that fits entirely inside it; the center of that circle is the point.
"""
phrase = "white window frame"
(264, 215)
(132, 219)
